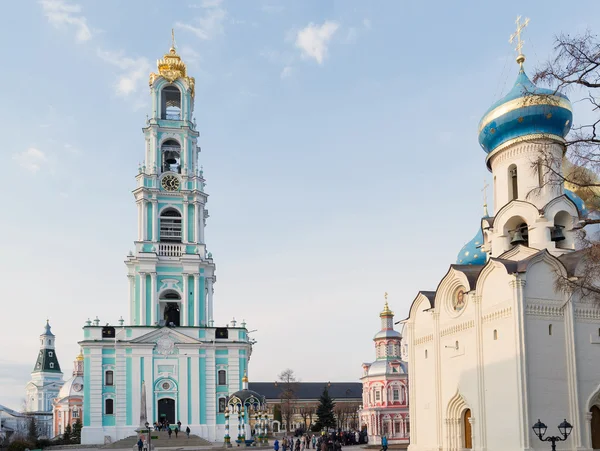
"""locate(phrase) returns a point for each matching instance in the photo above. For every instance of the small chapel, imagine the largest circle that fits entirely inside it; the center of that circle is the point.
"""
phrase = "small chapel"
(495, 347)
(384, 411)
(170, 361)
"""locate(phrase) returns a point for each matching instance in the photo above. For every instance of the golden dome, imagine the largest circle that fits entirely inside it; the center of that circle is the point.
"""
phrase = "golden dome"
(80, 356)
(171, 68)
(386, 310)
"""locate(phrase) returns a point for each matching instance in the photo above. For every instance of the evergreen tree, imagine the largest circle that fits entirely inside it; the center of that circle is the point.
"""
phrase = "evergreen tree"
(32, 431)
(67, 434)
(325, 415)
(76, 437)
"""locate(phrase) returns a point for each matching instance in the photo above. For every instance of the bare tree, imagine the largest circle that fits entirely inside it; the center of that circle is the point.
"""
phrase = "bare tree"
(575, 68)
(287, 381)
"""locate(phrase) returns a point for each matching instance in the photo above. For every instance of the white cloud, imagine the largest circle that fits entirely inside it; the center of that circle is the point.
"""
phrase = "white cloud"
(30, 159)
(210, 24)
(134, 70)
(286, 72)
(63, 14)
(314, 39)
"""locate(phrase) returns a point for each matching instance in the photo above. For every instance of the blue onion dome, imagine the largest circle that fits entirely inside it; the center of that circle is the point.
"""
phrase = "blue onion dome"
(578, 201)
(526, 110)
(471, 253)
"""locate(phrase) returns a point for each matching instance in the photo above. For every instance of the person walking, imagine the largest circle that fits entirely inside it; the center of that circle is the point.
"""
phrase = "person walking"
(314, 441)
(187, 431)
(276, 445)
(176, 431)
(140, 444)
(169, 431)
(384, 443)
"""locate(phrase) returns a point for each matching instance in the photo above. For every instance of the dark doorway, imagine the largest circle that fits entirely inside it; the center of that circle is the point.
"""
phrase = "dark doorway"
(172, 314)
(595, 427)
(467, 429)
(166, 410)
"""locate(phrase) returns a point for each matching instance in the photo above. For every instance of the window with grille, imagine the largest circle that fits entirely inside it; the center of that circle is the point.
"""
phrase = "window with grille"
(396, 394)
(108, 407)
(222, 377)
(108, 379)
(170, 226)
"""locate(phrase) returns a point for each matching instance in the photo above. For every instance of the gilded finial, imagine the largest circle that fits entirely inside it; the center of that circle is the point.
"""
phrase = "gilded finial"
(517, 35)
(245, 378)
(80, 356)
(386, 309)
(172, 40)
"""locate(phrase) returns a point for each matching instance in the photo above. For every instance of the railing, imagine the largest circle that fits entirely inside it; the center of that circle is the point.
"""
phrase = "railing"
(170, 249)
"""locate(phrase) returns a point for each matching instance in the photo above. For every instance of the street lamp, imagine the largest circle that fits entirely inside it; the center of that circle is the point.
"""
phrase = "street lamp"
(149, 436)
(540, 428)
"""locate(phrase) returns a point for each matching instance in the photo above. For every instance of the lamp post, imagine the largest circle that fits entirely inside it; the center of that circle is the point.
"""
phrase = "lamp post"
(149, 436)
(564, 428)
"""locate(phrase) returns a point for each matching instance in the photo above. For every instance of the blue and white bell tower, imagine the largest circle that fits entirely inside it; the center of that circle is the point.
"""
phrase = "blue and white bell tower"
(170, 273)
(170, 362)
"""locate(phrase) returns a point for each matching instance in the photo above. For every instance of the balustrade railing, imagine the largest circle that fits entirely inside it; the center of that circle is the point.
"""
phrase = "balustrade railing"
(170, 249)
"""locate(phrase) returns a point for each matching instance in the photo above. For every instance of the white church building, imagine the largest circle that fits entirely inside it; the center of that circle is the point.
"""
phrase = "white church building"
(495, 346)
(171, 345)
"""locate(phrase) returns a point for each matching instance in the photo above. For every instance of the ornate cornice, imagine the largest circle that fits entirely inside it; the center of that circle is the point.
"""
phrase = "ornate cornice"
(424, 339)
(457, 328)
(498, 314)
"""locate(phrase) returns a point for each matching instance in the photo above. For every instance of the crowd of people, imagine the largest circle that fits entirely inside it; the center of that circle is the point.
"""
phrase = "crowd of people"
(324, 442)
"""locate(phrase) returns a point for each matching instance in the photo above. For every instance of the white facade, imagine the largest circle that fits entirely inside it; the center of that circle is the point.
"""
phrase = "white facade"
(496, 347)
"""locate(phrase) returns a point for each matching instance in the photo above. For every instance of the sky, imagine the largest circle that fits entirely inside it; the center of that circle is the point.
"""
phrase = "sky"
(339, 144)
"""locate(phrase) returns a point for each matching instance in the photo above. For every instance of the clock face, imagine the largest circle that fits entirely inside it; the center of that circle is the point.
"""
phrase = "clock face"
(170, 183)
(77, 387)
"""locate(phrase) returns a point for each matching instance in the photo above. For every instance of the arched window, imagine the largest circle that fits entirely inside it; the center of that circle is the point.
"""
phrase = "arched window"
(513, 184)
(170, 151)
(171, 103)
(467, 429)
(170, 226)
(563, 222)
(495, 334)
(595, 426)
(108, 407)
(222, 377)
(108, 378)
(51, 364)
(222, 405)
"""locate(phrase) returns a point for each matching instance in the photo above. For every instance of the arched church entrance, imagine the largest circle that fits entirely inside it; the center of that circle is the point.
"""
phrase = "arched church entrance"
(467, 429)
(166, 410)
(595, 425)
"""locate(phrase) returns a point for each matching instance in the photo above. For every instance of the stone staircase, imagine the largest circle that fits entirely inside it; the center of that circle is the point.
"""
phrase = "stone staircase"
(162, 440)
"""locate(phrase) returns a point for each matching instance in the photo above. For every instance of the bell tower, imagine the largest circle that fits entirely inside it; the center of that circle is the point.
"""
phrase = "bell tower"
(170, 273)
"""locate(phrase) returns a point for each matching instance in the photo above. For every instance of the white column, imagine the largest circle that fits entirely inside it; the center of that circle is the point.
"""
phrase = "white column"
(131, 279)
(139, 205)
(144, 220)
(184, 234)
(209, 299)
(196, 222)
(201, 221)
(185, 300)
(142, 319)
(197, 299)
(153, 298)
(154, 220)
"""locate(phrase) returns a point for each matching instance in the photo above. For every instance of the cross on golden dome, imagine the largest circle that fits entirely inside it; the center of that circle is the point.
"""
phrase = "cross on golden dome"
(386, 309)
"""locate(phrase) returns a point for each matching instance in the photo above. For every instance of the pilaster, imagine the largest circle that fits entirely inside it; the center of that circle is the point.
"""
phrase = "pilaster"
(518, 285)
(131, 279)
(185, 300)
(153, 302)
(197, 299)
(142, 319)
